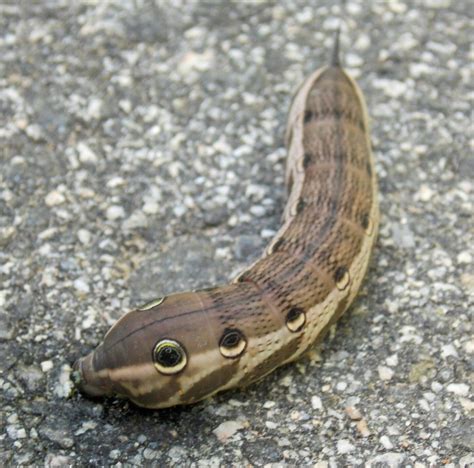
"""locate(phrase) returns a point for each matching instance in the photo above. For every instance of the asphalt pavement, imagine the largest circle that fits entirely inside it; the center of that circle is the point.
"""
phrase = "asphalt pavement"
(141, 153)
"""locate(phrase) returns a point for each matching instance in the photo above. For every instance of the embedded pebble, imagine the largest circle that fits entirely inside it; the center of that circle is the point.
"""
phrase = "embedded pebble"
(392, 88)
(81, 285)
(465, 257)
(391, 459)
(316, 403)
(385, 373)
(58, 461)
(424, 194)
(460, 389)
(151, 207)
(227, 429)
(353, 413)
(54, 198)
(363, 428)
(58, 436)
(344, 446)
(32, 376)
(392, 360)
(94, 109)
(63, 387)
(385, 441)
(84, 236)
(136, 220)
(115, 212)
(46, 366)
(86, 155)
(35, 132)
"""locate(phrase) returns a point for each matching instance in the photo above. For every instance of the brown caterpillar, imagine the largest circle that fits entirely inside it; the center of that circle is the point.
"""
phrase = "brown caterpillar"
(185, 347)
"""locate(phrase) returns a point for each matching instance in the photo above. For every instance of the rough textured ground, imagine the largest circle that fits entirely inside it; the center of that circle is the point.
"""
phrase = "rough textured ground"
(142, 153)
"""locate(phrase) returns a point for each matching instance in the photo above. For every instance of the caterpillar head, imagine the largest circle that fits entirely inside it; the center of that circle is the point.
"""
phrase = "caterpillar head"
(172, 351)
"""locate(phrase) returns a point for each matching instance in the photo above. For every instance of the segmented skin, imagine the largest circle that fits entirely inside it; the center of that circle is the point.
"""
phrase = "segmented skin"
(285, 302)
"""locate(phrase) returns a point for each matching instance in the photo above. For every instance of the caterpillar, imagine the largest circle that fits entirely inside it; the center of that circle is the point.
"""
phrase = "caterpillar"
(187, 346)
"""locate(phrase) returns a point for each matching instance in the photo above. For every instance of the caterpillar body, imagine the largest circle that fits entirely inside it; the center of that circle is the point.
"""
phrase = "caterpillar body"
(186, 347)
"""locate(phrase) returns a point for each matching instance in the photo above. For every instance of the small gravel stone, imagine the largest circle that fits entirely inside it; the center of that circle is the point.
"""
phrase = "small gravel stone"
(176, 453)
(227, 429)
(32, 376)
(115, 212)
(316, 402)
(46, 366)
(460, 389)
(392, 361)
(64, 385)
(344, 446)
(149, 454)
(54, 460)
(424, 194)
(391, 459)
(258, 210)
(54, 198)
(363, 428)
(35, 132)
(385, 373)
(86, 155)
(392, 88)
(114, 454)
(353, 413)
(84, 236)
(385, 441)
(81, 285)
(94, 109)
(57, 435)
(465, 257)
(86, 426)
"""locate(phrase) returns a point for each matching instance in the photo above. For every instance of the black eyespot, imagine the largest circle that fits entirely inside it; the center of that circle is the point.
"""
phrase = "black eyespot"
(300, 206)
(232, 343)
(295, 319)
(342, 278)
(339, 274)
(364, 221)
(308, 115)
(169, 357)
(307, 160)
(241, 278)
(368, 167)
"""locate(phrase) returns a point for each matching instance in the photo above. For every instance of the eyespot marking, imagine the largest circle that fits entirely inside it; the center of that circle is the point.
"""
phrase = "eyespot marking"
(295, 319)
(298, 207)
(342, 278)
(367, 224)
(169, 357)
(232, 343)
(153, 303)
(308, 115)
(368, 167)
(307, 160)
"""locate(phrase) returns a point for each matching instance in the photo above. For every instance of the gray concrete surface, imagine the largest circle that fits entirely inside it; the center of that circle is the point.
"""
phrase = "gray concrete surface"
(142, 153)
